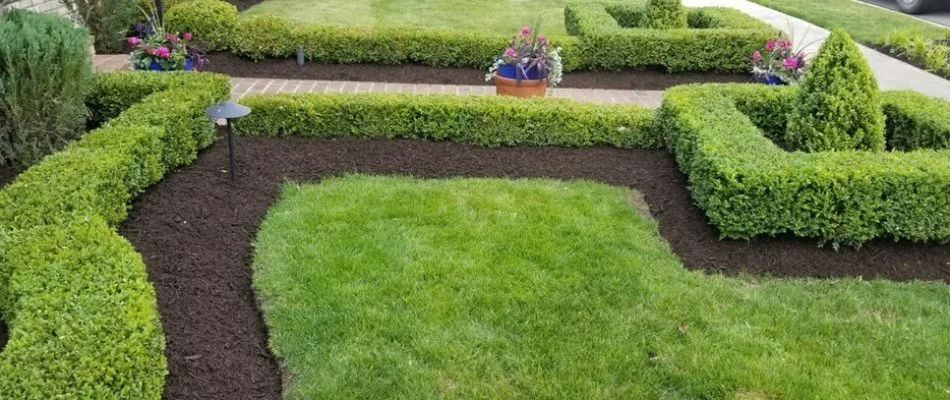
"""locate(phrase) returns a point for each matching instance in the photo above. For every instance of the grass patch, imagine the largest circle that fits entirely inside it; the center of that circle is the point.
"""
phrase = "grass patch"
(491, 16)
(377, 287)
(864, 22)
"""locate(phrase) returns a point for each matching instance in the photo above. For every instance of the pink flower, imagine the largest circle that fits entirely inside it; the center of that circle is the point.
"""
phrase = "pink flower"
(171, 37)
(134, 41)
(542, 39)
(186, 35)
(757, 56)
(770, 45)
(162, 52)
(526, 31)
(790, 63)
(511, 53)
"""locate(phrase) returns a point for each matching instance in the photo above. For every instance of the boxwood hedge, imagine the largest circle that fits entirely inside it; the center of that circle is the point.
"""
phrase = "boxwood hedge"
(480, 120)
(604, 37)
(611, 38)
(81, 313)
(748, 185)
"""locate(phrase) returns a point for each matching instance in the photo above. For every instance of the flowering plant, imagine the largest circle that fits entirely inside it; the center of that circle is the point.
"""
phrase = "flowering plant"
(530, 56)
(780, 58)
(171, 51)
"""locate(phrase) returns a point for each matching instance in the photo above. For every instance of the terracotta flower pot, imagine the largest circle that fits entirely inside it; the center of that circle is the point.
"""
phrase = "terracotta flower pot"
(523, 88)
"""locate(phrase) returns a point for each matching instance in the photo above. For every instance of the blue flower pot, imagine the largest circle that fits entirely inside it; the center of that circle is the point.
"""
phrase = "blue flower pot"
(513, 72)
(155, 66)
(770, 79)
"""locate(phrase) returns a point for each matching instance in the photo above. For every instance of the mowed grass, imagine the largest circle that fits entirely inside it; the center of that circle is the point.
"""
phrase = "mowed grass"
(497, 16)
(397, 288)
(864, 22)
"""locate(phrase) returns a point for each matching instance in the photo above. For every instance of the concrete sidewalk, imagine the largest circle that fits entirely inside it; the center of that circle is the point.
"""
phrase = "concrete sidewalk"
(892, 74)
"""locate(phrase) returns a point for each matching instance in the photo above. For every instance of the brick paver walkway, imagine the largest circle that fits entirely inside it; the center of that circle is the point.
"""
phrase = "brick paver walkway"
(241, 87)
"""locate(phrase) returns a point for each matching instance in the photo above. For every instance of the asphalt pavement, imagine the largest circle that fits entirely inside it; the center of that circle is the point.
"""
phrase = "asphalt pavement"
(940, 16)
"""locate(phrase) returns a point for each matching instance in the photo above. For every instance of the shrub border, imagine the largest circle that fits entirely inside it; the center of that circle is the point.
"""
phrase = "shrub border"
(610, 39)
(749, 186)
(81, 313)
(481, 120)
(598, 42)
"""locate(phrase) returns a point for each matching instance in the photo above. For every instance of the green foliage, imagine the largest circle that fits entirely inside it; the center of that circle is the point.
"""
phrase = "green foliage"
(211, 21)
(486, 121)
(664, 14)
(82, 316)
(44, 74)
(268, 36)
(934, 55)
(114, 92)
(487, 279)
(838, 106)
(108, 20)
(915, 121)
(720, 39)
(748, 186)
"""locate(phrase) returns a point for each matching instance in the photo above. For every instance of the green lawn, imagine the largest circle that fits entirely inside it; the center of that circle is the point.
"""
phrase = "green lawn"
(498, 16)
(865, 23)
(396, 288)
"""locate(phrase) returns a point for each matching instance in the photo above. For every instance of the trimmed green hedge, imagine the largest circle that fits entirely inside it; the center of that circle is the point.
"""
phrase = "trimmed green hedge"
(211, 21)
(82, 316)
(75, 296)
(719, 39)
(115, 92)
(485, 121)
(268, 36)
(748, 186)
(915, 121)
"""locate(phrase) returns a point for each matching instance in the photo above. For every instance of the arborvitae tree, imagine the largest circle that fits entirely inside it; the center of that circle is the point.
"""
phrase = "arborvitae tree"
(838, 106)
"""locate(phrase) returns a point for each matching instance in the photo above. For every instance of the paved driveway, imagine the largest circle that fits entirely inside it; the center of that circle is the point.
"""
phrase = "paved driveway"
(941, 16)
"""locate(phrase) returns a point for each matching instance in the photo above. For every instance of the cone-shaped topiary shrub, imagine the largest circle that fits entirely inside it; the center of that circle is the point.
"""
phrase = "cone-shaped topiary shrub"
(838, 106)
(664, 14)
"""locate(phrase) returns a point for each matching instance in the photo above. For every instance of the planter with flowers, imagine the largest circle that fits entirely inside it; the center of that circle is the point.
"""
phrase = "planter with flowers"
(155, 50)
(778, 63)
(527, 67)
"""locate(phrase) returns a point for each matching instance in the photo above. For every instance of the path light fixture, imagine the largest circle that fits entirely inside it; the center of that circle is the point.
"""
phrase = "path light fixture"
(229, 110)
(300, 55)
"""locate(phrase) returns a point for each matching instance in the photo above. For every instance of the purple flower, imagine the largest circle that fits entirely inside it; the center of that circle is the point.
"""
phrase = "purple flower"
(186, 35)
(525, 31)
(770, 45)
(511, 53)
(791, 63)
(134, 41)
(757, 56)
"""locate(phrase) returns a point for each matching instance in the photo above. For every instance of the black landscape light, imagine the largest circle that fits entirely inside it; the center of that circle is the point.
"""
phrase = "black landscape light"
(300, 56)
(228, 110)
(160, 12)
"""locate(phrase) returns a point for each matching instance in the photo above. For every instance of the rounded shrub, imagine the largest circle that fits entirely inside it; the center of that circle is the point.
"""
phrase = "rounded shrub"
(838, 106)
(664, 14)
(211, 21)
(45, 71)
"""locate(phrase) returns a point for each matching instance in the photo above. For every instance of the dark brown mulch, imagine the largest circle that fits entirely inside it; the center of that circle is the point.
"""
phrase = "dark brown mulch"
(7, 174)
(3, 335)
(287, 69)
(244, 4)
(195, 230)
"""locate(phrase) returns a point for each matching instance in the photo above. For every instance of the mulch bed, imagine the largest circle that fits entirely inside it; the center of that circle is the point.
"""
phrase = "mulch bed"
(7, 174)
(894, 53)
(233, 65)
(195, 230)
(3, 335)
